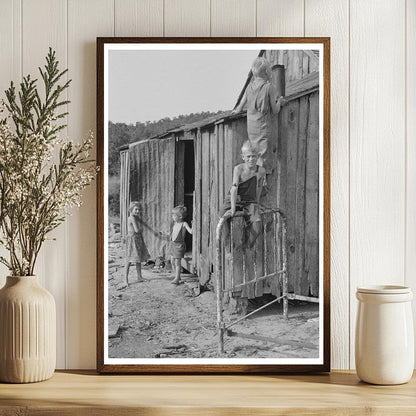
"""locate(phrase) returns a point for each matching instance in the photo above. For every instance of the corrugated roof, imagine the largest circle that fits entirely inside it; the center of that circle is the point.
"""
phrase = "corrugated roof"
(191, 126)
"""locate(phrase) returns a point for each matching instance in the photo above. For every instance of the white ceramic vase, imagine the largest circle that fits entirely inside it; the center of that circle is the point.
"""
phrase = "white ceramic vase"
(384, 352)
(27, 331)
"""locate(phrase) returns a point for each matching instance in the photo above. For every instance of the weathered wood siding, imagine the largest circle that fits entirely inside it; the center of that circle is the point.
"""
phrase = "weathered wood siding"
(299, 191)
(218, 150)
(152, 168)
(298, 63)
(196, 226)
(124, 190)
(294, 187)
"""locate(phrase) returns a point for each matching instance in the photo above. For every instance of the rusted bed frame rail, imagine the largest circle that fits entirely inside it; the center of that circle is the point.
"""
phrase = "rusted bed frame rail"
(279, 268)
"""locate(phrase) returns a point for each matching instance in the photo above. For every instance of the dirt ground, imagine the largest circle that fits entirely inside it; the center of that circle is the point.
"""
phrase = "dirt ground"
(155, 319)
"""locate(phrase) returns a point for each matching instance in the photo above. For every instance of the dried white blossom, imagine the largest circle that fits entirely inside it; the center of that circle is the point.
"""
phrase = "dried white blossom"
(42, 176)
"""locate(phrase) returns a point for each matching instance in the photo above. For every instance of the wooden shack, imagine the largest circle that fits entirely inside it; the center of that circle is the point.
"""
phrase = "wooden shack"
(193, 164)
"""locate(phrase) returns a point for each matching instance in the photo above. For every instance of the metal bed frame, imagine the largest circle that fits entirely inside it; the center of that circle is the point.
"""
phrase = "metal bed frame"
(279, 271)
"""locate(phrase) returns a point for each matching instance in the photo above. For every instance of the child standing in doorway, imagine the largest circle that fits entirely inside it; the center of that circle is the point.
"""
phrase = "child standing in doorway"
(248, 181)
(177, 243)
(136, 250)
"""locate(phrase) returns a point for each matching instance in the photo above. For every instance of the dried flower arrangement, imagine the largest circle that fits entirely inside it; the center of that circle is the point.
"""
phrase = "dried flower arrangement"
(41, 174)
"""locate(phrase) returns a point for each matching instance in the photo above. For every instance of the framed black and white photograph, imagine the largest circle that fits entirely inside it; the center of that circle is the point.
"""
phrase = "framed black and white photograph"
(213, 205)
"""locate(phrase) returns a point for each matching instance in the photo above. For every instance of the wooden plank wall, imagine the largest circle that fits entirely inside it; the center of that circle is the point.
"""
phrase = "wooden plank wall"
(378, 149)
(124, 190)
(373, 151)
(299, 185)
(297, 63)
(331, 18)
(214, 173)
(34, 48)
(310, 281)
(410, 135)
(148, 160)
(197, 203)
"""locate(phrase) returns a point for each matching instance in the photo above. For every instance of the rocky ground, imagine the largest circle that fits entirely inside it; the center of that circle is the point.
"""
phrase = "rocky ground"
(157, 319)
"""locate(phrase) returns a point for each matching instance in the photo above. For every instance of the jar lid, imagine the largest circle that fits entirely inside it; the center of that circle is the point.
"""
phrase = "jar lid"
(384, 289)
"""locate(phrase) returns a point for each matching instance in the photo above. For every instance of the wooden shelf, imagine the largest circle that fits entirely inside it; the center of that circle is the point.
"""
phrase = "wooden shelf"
(86, 393)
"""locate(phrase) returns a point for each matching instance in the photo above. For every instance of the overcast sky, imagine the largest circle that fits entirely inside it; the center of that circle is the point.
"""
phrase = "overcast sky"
(150, 85)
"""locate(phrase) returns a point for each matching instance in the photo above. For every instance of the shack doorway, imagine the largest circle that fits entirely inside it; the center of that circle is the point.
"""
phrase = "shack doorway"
(185, 185)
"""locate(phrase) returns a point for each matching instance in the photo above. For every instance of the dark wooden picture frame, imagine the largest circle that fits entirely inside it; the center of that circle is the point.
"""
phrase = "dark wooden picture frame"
(323, 232)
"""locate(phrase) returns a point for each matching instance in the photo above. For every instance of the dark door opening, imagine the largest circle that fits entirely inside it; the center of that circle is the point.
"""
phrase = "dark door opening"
(189, 173)
(185, 182)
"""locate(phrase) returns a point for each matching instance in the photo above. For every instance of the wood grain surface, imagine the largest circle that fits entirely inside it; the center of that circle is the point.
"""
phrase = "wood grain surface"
(233, 18)
(80, 239)
(377, 149)
(331, 18)
(186, 18)
(138, 17)
(35, 44)
(280, 18)
(85, 393)
(410, 276)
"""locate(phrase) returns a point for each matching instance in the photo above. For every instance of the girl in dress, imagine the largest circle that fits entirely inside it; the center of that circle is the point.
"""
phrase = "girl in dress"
(177, 243)
(136, 250)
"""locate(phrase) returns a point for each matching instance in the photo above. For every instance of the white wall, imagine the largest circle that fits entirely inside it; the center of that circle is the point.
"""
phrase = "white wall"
(373, 132)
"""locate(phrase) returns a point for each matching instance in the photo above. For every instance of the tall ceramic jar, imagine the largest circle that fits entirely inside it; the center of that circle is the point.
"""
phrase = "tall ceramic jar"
(27, 331)
(384, 352)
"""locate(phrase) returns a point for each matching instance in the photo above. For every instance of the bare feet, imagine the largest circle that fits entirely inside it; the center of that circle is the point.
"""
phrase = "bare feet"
(140, 280)
(175, 282)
